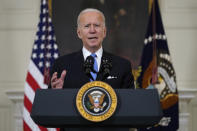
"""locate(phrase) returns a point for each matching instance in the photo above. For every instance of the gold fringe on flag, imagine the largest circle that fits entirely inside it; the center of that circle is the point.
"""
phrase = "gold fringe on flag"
(50, 7)
(150, 6)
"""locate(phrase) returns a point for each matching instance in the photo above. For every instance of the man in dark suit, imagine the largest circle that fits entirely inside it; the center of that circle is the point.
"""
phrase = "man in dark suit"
(68, 71)
(91, 30)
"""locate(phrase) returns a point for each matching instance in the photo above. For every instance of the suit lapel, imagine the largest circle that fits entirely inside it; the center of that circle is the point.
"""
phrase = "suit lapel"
(100, 73)
(82, 75)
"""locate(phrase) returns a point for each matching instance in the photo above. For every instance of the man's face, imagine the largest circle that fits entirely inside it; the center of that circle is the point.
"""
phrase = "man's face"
(91, 30)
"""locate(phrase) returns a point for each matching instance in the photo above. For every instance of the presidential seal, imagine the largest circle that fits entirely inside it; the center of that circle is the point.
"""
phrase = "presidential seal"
(96, 101)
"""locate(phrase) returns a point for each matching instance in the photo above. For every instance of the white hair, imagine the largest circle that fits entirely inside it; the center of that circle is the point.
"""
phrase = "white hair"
(90, 10)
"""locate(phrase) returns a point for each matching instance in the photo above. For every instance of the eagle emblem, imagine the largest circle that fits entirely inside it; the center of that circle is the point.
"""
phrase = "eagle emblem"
(96, 99)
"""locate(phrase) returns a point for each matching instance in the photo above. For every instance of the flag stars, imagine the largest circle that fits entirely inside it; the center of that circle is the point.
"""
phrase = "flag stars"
(156, 36)
(38, 28)
(44, 11)
(44, 20)
(40, 64)
(55, 46)
(44, 2)
(34, 55)
(145, 41)
(49, 37)
(43, 28)
(35, 47)
(165, 56)
(42, 46)
(161, 55)
(41, 55)
(149, 38)
(49, 46)
(47, 64)
(49, 28)
(49, 19)
(55, 55)
(45, 49)
(164, 37)
(159, 36)
(48, 55)
(43, 37)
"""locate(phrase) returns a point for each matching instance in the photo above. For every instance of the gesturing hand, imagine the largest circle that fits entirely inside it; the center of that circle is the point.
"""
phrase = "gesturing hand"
(57, 83)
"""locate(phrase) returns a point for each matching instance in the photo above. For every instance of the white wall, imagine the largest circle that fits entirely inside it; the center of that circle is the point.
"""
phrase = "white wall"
(18, 23)
(180, 21)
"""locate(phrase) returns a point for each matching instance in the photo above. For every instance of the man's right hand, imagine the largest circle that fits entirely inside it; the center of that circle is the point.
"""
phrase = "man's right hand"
(57, 83)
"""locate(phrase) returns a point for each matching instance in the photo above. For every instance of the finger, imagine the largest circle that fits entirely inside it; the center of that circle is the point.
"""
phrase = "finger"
(54, 77)
(63, 75)
(59, 86)
(56, 83)
(55, 74)
(53, 85)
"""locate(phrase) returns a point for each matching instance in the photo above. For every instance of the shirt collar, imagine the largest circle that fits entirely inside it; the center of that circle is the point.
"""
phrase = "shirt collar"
(87, 53)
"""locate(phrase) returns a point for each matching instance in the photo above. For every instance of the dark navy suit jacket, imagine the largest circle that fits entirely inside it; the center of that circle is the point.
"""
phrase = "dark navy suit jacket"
(120, 75)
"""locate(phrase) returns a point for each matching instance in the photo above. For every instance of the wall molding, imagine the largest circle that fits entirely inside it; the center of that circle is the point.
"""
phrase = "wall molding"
(5, 85)
(187, 84)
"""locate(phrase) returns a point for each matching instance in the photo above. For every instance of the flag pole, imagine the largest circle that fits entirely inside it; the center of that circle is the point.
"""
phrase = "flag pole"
(154, 71)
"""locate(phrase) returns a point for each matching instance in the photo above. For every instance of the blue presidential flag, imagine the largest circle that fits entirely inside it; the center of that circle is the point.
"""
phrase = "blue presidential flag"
(157, 72)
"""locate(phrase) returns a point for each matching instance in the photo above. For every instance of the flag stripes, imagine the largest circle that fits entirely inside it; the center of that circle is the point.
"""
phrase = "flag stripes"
(44, 52)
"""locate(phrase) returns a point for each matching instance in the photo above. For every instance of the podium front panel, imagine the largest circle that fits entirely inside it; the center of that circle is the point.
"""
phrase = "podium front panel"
(135, 108)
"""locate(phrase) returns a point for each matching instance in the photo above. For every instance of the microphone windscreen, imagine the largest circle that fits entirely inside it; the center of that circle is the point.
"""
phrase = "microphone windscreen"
(88, 65)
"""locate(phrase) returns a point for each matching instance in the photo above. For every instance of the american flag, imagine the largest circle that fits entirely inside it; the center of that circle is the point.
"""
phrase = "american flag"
(45, 51)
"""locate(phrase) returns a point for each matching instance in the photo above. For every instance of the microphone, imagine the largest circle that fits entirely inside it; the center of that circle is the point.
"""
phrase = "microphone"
(106, 67)
(88, 66)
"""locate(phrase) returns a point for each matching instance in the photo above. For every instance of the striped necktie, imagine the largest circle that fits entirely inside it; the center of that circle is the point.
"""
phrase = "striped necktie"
(95, 67)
